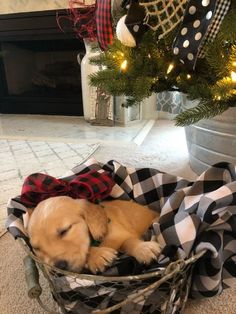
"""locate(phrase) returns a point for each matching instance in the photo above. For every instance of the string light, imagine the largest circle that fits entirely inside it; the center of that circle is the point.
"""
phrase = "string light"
(124, 65)
(234, 64)
(188, 76)
(156, 79)
(233, 76)
(170, 68)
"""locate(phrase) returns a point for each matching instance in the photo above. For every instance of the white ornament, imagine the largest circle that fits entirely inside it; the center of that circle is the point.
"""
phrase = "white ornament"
(123, 34)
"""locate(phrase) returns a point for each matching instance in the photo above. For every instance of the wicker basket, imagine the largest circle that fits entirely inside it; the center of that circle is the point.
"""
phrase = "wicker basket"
(196, 218)
(159, 290)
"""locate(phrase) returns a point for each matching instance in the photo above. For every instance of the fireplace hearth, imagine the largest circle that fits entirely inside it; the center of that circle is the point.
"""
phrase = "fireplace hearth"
(39, 73)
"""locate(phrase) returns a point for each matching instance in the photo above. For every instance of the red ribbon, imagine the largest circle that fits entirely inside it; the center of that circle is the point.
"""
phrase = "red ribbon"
(92, 185)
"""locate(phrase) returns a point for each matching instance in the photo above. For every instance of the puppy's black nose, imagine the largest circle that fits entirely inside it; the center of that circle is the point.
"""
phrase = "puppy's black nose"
(62, 264)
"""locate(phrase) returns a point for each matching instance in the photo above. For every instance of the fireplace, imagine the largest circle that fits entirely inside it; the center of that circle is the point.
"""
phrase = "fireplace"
(39, 72)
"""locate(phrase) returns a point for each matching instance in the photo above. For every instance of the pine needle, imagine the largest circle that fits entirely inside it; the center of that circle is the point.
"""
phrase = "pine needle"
(204, 110)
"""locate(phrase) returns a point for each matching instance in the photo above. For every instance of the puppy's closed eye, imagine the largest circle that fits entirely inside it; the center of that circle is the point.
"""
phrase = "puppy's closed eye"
(63, 232)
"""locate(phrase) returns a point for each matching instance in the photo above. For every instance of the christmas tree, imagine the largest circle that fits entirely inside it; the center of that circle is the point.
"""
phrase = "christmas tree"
(156, 60)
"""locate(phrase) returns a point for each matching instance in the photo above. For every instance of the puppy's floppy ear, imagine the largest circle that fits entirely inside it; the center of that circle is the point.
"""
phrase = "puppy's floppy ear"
(96, 219)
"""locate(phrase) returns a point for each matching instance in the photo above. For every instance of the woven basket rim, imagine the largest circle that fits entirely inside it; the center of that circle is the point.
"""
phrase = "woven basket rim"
(180, 263)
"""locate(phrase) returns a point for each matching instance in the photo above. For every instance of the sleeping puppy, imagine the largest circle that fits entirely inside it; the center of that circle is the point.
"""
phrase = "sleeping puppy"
(61, 230)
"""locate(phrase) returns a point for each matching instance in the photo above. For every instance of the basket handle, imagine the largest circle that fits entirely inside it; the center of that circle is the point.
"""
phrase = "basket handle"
(32, 278)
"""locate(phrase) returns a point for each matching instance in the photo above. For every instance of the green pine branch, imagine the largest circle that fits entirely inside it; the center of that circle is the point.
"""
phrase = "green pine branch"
(217, 56)
(232, 59)
(228, 26)
(147, 71)
(204, 110)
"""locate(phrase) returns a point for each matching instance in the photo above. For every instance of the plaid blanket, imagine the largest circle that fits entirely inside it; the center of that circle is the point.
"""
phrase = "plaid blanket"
(194, 216)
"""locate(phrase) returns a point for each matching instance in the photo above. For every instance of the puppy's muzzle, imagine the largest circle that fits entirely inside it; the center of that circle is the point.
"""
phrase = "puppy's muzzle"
(62, 264)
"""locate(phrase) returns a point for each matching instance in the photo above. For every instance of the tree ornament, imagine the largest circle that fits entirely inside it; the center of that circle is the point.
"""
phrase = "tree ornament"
(130, 28)
(123, 33)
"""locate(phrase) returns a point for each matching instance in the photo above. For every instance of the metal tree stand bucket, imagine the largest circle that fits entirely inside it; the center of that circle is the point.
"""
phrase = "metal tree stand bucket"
(212, 141)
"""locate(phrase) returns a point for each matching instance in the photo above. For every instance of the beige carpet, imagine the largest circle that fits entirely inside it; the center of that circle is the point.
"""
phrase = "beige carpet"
(13, 293)
(163, 150)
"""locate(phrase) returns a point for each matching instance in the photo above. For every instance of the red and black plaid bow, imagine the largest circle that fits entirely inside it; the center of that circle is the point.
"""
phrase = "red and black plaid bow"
(104, 23)
(92, 185)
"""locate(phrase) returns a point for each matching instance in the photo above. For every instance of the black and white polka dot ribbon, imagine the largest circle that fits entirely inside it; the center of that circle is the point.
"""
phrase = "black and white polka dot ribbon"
(197, 18)
(222, 7)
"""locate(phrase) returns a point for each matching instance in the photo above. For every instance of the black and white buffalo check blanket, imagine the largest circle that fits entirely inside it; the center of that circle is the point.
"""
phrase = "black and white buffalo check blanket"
(193, 216)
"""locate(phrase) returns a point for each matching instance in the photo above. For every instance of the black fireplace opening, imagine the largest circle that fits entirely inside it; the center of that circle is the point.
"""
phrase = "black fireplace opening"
(39, 70)
(42, 68)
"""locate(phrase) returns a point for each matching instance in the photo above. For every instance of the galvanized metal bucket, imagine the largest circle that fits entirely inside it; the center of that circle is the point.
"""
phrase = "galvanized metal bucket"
(212, 141)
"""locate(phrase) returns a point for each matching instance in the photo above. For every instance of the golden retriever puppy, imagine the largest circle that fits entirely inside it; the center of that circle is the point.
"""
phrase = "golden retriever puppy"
(61, 230)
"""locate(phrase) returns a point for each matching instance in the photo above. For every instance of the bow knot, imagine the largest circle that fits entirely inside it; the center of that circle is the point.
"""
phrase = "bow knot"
(92, 185)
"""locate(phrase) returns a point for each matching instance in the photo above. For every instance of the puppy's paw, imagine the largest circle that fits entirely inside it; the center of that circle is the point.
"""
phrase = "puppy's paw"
(145, 252)
(99, 258)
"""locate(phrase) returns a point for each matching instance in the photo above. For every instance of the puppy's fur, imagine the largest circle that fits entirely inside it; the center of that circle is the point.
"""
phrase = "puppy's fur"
(60, 230)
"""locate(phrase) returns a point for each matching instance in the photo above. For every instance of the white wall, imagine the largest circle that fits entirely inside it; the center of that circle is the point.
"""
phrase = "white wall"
(149, 107)
(17, 6)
